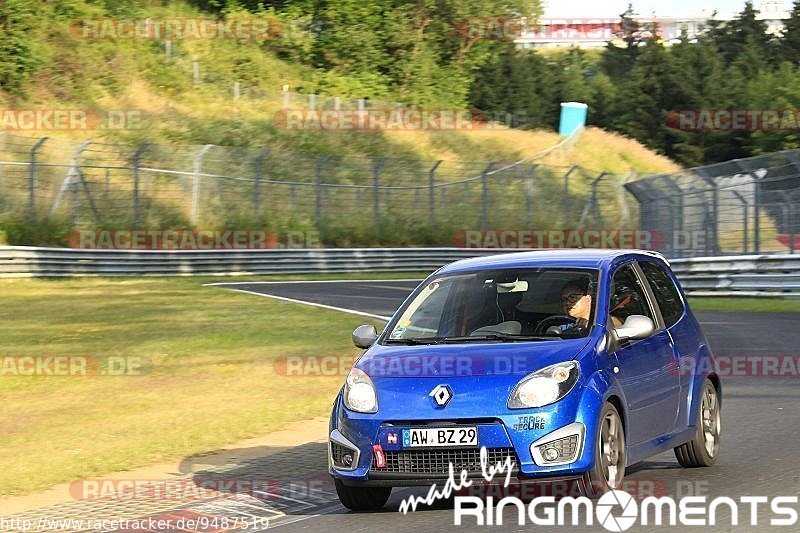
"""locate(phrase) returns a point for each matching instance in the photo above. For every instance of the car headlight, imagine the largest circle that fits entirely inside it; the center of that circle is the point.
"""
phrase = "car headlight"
(359, 392)
(545, 386)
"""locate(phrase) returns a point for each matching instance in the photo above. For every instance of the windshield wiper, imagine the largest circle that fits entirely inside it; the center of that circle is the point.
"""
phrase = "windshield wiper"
(504, 337)
(413, 341)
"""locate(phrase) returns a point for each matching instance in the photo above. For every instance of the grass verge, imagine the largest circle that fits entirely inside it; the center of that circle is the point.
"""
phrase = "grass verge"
(210, 380)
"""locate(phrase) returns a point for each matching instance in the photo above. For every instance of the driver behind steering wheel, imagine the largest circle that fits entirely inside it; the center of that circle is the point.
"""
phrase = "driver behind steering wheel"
(576, 302)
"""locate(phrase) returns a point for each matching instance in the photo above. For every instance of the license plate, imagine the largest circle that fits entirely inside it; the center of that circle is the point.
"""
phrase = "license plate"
(455, 436)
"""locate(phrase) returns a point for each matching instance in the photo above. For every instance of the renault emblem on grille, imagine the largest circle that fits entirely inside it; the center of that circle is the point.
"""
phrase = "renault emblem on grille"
(441, 395)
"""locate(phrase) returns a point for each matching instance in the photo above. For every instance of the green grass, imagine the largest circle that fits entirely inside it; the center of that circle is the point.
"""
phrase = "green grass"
(754, 305)
(211, 381)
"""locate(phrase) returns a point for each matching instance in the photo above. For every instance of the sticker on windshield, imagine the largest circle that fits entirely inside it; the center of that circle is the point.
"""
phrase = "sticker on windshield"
(397, 333)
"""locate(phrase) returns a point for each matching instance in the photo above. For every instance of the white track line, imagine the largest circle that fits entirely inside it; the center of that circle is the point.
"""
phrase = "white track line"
(313, 304)
(309, 281)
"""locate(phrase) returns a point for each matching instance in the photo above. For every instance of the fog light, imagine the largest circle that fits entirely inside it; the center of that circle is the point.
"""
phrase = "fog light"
(560, 447)
(347, 459)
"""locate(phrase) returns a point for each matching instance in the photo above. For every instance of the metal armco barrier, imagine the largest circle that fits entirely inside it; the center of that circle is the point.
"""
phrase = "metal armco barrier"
(748, 275)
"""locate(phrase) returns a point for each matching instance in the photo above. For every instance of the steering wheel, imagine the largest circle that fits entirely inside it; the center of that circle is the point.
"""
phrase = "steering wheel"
(555, 320)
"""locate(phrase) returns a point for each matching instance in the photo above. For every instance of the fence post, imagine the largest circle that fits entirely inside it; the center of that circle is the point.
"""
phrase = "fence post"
(73, 188)
(788, 219)
(198, 166)
(32, 180)
(756, 213)
(566, 194)
(195, 72)
(744, 208)
(321, 162)
(432, 194)
(72, 173)
(529, 196)
(376, 174)
(591, 203)
(485, 195)
(237, 87)
(137, 157)
(715, 209)
(257, 182)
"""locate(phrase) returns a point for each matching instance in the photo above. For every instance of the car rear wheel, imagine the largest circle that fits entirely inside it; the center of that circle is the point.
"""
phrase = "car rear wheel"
(362, 498)
(703, 449)
(609, 463)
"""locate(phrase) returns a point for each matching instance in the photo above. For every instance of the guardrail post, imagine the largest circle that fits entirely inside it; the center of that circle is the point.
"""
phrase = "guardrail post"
(432, 194)
(566, 195)
(257, 182)
(136, 161)
(198, 167)
(321, 162)
(485, 195)
(32, 180)
(376, 175)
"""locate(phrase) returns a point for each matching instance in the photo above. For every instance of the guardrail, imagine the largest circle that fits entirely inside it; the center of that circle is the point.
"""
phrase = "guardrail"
(749, 275)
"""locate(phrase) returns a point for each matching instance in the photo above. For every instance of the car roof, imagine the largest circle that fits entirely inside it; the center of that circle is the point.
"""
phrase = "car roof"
(564, 257)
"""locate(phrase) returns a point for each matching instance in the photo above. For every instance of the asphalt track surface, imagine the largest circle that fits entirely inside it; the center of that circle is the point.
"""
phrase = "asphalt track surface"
(760, 442)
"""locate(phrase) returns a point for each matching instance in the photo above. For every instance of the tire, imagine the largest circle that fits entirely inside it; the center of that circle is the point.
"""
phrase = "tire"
(609, 464)
(703, 449)
(362, 498)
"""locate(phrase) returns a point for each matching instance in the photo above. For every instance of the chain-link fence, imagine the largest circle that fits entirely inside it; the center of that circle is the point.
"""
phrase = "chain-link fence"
(349, 200)
(744, 206)
(739, 206)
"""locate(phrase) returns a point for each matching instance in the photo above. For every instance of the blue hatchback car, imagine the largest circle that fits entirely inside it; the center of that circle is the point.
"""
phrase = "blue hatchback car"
(572, 363)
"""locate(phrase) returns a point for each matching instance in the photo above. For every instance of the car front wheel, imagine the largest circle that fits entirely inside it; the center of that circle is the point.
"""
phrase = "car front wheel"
(609, 463)
(362, 498)
(703, 449)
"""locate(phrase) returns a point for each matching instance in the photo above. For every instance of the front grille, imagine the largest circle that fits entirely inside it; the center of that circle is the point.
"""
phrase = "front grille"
(436, 461)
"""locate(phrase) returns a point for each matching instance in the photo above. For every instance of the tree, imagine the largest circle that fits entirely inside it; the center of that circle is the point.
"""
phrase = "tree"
(790, 39)
(18, 58)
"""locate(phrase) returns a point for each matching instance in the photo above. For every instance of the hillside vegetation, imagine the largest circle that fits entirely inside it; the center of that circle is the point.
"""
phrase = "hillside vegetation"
(56, 67)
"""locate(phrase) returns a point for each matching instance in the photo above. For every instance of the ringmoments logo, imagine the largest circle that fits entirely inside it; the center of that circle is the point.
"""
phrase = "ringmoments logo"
(617, 510)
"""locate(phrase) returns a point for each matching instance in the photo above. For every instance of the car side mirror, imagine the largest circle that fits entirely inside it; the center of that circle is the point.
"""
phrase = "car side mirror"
(365, 336)
(635, 327)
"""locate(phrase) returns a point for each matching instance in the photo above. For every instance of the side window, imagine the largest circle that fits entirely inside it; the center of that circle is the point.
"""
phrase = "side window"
(627, 297)
(667, 295)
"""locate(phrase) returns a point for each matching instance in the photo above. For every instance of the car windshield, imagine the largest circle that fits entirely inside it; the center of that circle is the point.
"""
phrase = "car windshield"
(500, 305)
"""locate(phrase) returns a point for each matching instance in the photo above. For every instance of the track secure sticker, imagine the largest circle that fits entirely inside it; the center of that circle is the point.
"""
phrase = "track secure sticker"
(527, 423)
